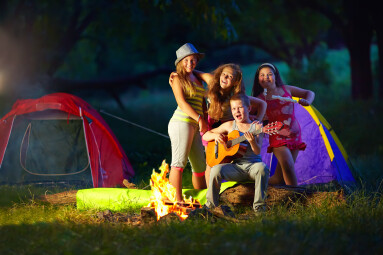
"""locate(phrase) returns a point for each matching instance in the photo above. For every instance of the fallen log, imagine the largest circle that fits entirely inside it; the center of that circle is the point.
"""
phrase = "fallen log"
(148, 215)
(66, 197)
(243, 194)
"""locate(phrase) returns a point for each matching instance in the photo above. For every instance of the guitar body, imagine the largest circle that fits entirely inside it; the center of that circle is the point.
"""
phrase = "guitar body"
(219, 153)
(234, 147)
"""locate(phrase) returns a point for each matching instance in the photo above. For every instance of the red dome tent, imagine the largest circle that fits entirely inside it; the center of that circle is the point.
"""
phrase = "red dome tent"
(60, 137)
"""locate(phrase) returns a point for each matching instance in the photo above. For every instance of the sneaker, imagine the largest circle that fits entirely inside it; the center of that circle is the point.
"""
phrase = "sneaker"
(259, 210)
(224, 210)
(201, 213)
(208, 206)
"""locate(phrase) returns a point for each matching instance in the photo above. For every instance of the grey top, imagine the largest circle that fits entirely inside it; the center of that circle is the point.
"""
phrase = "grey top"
(249, 155)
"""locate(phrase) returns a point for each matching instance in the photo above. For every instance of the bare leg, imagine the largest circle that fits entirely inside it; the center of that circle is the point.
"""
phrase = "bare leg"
(286, 159)
(207, 175)
(199, 182)
(295, 154)
(277, 178)
(175, 179)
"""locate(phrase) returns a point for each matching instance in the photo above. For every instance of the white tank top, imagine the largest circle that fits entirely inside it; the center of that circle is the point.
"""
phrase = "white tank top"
(249, 155)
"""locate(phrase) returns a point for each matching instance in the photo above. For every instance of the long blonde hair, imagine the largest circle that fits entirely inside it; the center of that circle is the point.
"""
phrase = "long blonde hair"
(219, 98)
(186, 83)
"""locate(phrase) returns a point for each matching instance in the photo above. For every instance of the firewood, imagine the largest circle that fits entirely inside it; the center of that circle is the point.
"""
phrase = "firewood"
(182, 204)
(170, 218)
(148, 215)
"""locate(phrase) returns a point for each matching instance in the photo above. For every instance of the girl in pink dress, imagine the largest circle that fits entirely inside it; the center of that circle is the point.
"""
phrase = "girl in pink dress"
(268, 83)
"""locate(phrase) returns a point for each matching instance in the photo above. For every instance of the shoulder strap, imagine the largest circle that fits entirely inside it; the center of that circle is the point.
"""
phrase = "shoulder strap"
(284, 89)
(235, 125)
(252, 127)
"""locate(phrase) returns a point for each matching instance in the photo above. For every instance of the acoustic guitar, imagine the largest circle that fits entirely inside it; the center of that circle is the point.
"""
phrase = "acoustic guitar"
(217, 153)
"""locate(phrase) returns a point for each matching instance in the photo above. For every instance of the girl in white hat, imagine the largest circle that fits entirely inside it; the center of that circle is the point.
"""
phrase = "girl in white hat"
(187, 121)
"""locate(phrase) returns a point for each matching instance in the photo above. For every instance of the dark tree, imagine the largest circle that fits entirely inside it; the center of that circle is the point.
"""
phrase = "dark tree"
(286, 33)
(377, 21)
(353, 19)
(128, 42)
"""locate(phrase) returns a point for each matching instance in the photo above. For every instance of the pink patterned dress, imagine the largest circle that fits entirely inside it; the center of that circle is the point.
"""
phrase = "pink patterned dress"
(283, 111)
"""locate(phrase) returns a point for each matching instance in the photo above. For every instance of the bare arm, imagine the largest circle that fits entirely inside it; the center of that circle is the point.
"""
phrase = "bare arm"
(171, 78)
(306, 96)
(258, 106)
(219, 133)
(206, 77)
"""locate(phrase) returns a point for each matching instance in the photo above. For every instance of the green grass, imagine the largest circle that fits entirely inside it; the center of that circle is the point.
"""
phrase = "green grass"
(28, 226)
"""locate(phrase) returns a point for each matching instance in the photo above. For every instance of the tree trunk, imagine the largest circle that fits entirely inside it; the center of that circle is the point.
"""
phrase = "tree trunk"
(377, 19)
(354, 22)
(361, 74)
(380, 62)
(358, 34)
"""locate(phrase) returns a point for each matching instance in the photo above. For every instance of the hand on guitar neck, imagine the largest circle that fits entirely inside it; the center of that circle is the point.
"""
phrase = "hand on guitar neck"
(230, 147)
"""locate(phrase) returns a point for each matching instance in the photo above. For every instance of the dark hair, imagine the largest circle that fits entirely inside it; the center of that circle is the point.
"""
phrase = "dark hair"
(257, 88)
(244, 99)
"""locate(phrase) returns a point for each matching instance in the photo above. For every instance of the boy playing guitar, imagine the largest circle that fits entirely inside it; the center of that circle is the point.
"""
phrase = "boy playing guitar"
(249, 167)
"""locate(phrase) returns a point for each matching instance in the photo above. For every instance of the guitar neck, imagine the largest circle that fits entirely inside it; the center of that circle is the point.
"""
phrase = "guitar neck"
(242, 138)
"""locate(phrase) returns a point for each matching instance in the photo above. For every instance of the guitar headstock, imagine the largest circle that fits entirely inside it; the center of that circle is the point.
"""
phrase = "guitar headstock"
(273, 128)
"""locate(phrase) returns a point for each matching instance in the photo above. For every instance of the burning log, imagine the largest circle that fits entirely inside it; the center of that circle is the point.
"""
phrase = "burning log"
(163, 198)
(170, 217)
(185, 207)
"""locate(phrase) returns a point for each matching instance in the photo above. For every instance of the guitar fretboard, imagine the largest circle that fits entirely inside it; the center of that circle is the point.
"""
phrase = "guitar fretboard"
(241, 139)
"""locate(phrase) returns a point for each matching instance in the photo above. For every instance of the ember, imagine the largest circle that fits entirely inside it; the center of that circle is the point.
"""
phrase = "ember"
(163, 198)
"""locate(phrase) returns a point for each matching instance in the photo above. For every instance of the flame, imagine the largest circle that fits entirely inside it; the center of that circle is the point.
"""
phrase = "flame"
(163, 190)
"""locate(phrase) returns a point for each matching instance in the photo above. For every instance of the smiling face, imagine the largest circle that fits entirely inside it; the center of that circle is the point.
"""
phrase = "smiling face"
(226, 78)
(189, 63)
(266, 78)
(239, 110)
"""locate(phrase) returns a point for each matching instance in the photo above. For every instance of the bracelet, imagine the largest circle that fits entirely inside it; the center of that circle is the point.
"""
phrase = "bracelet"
(199, 116)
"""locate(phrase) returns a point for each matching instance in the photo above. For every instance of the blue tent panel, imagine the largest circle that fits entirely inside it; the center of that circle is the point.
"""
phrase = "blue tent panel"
(343, 172)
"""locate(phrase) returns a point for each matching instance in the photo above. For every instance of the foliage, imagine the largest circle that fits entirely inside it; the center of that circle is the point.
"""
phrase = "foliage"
(280, 30)
(314, 72)
(93, 40)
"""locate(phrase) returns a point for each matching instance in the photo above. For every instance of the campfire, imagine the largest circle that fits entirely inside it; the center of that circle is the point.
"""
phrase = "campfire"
(163, 199)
